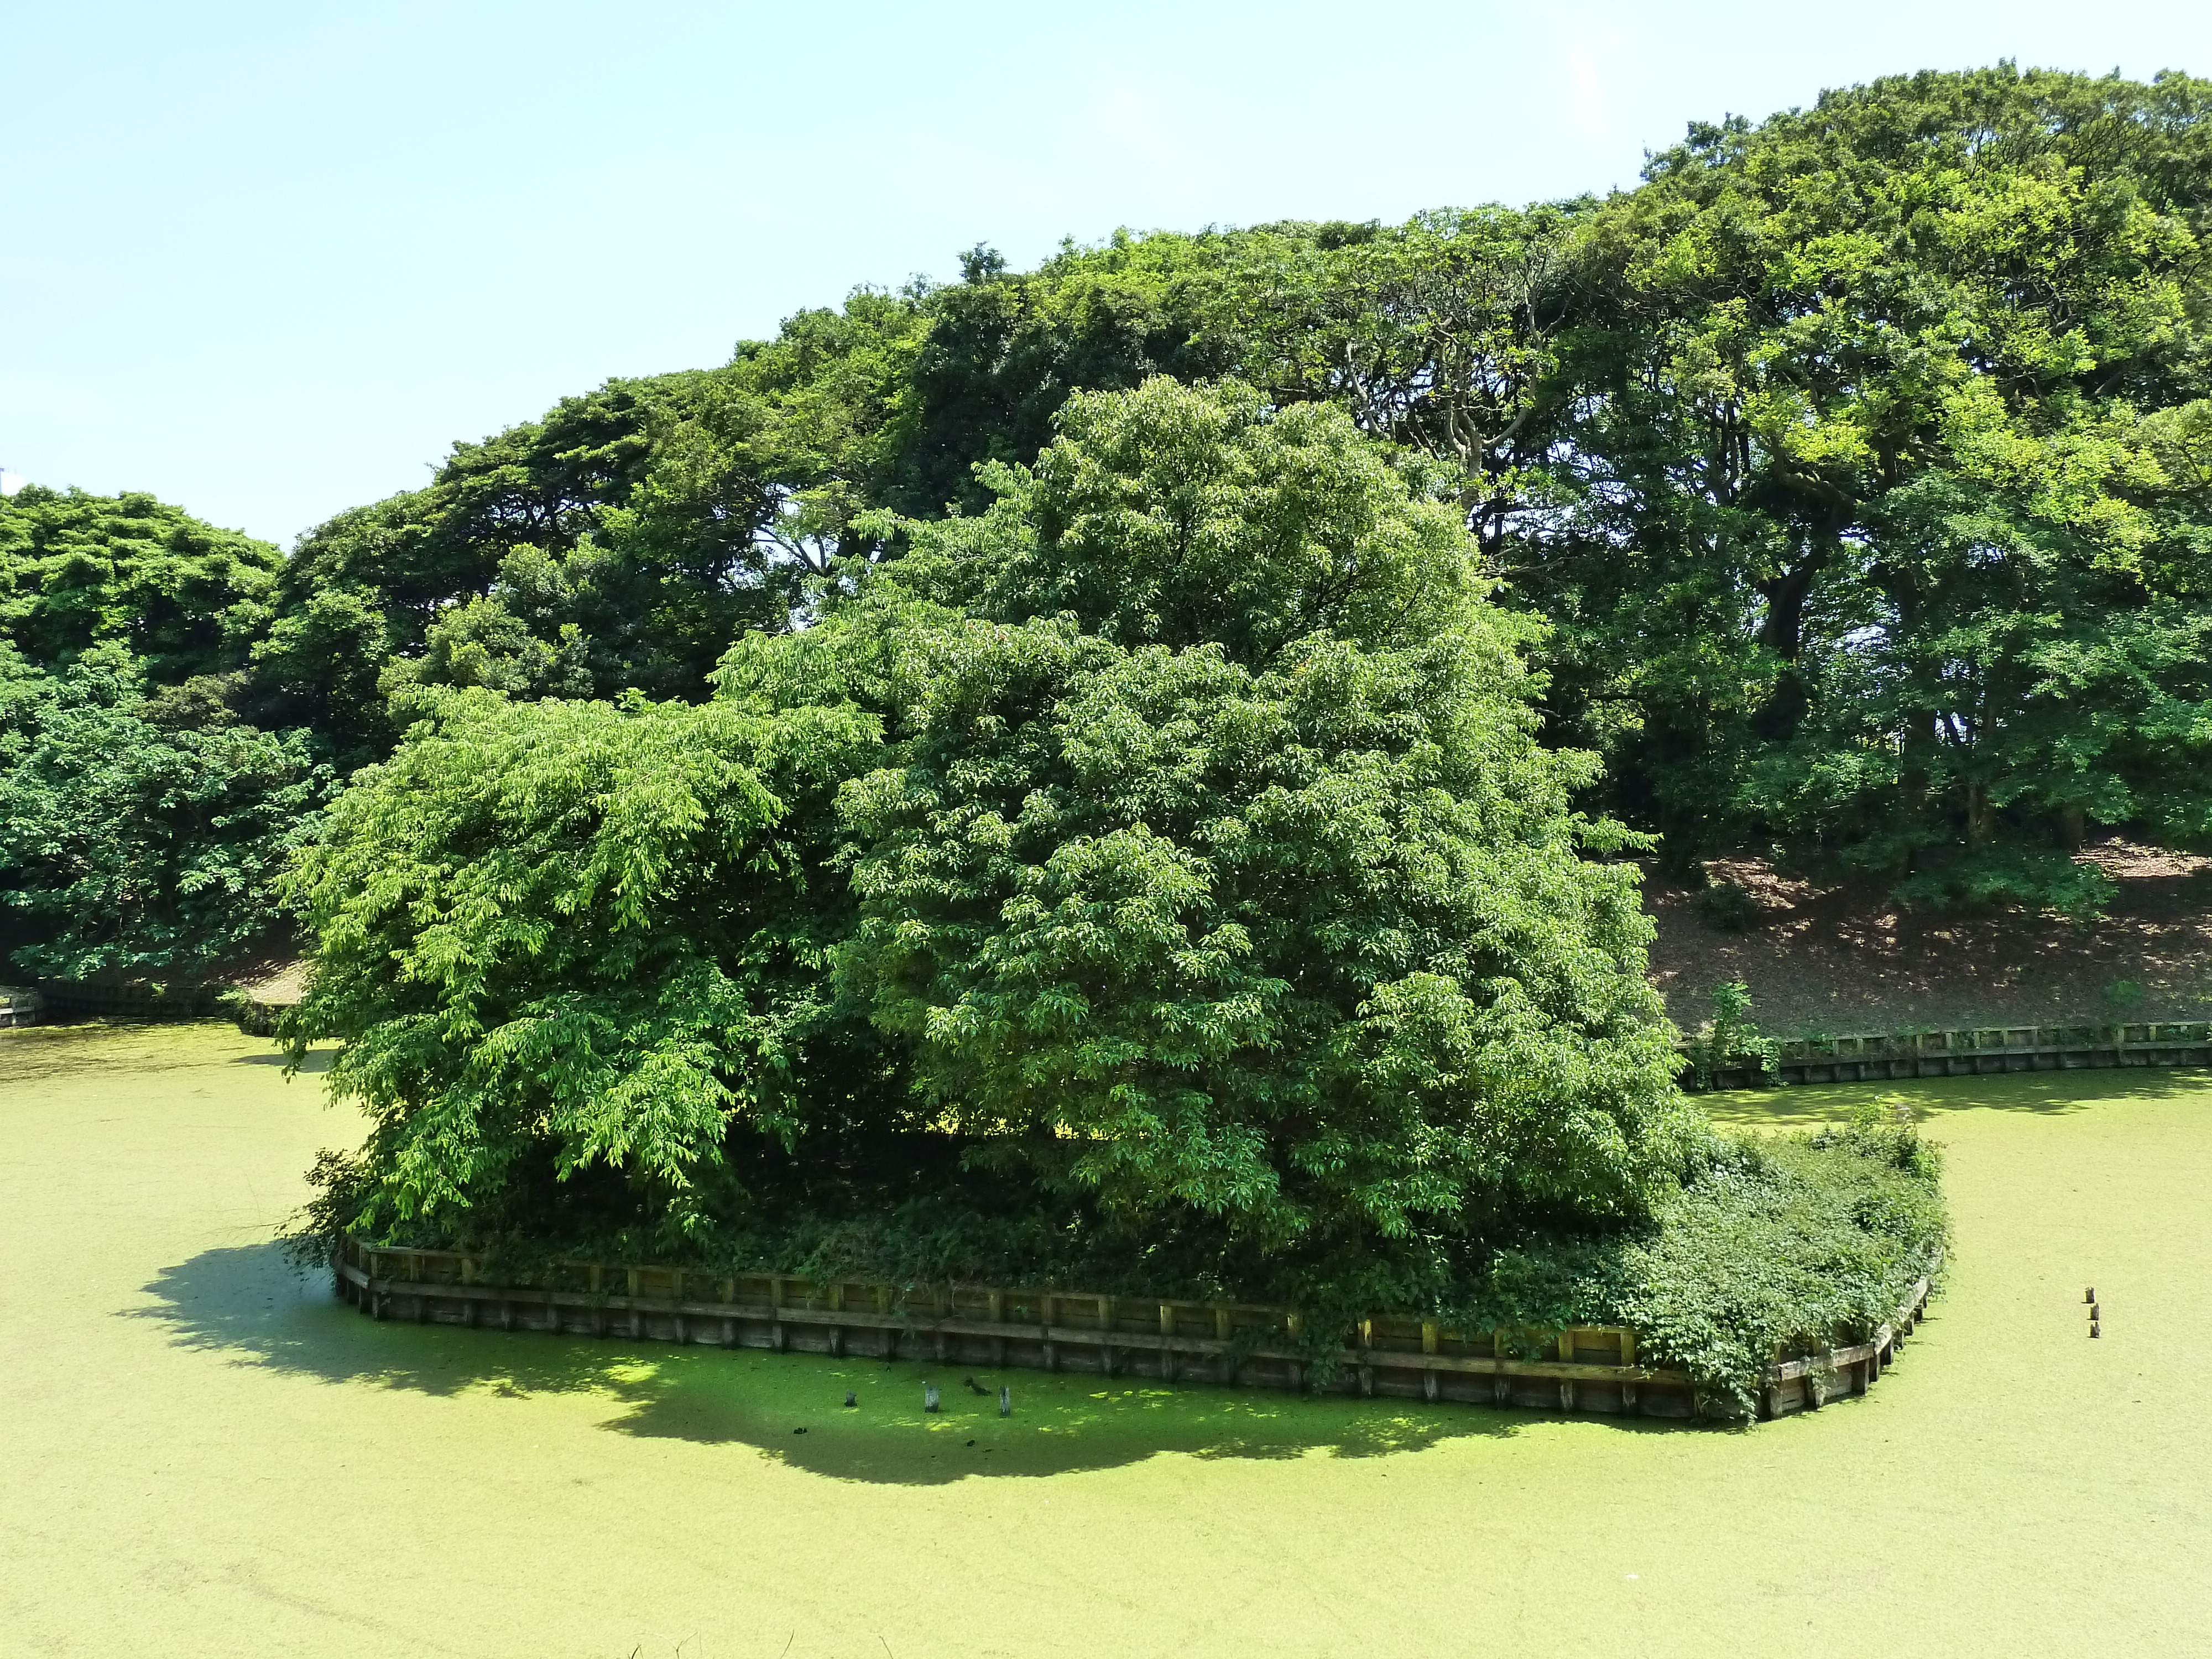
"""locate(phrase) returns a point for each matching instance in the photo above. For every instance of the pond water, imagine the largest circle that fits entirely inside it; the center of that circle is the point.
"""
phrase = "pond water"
(206, 1455)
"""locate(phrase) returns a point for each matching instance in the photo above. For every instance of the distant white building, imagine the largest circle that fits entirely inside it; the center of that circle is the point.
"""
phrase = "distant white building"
(11, 482)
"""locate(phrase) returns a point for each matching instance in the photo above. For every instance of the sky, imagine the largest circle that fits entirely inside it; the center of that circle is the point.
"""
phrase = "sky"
(270, 261)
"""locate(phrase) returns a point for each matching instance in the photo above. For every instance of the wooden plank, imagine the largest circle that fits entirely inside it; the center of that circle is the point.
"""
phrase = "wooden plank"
(1383, 1359)
(421, 1278)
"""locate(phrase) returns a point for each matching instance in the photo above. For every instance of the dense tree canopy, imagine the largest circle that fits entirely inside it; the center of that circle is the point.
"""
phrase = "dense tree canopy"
(79, 570)
(144, 820)
(1130, 754)
(1857, 460)
(143, 830)
(1230, 890)
(579, 938)
(1882, 531)
(1222, 871)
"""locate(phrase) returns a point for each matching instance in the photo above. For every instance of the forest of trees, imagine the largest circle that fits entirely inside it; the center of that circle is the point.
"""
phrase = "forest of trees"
(1168, 722)
(1859, 464)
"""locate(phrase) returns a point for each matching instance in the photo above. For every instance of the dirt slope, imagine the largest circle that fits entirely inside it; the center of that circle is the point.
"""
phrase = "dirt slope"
(1838, 957)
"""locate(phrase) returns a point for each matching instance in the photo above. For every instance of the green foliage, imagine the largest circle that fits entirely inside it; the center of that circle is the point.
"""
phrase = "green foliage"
(79, 570)
(1727, 906)
(999, 351)
(615, 545)
(1272, 939)
(1886, 524)
(1282, 931)
(1178, 517)
(141, 834)
(1847, 484)
(1858, 460)
(143, 817)
(568, 947)
(1729, 1039)
(1859, 463)
(1804, 1245)
(1777, 1247)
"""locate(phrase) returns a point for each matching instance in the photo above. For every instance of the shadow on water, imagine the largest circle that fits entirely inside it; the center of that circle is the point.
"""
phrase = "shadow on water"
(316, 1060)
(104, 1051)
(244, 1303)
(2046, 1093)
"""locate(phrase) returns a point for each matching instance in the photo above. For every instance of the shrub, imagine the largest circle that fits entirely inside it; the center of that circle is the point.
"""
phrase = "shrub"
(1780, 1247)
(1729, 1039)
(1728, 907)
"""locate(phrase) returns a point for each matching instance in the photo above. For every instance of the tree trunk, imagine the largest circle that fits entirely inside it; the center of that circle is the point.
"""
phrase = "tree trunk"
(1783, 631)
(1981, 817)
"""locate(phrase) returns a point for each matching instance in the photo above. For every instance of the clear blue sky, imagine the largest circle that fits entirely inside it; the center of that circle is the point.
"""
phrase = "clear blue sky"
(270, 261)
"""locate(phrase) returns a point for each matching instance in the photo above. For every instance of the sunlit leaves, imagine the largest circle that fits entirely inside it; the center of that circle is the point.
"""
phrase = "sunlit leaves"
(142, 837)
(1289, 931)
(577, 933)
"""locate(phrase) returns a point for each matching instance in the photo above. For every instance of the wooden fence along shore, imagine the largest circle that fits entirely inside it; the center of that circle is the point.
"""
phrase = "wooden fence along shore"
(1870, 1057)
(1971, 1053)
(1583, 1369)
(61, 1002)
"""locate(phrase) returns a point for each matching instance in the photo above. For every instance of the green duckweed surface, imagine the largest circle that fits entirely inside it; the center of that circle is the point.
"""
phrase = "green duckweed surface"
(204, 1454)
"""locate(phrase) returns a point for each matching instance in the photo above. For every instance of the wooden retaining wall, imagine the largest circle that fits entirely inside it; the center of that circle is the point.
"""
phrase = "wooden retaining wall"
(1973, 1052)
(68, 1001)
(1583, 1369)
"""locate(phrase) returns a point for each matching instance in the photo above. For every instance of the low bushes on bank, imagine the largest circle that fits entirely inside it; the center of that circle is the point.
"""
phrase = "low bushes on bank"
(1783, 1246)
(1776, 1246)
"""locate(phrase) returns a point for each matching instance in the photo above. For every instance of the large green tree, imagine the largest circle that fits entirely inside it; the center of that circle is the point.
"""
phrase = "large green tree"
(573, 948)
(144, 818)
(613, 545)
(1879, 527)
(78, 570)
(1175, 825)
(142, 829)
(1853, 457)
(1219, 875)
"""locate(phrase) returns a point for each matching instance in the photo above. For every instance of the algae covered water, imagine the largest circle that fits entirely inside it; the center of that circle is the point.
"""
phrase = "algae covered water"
(206, 1455)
